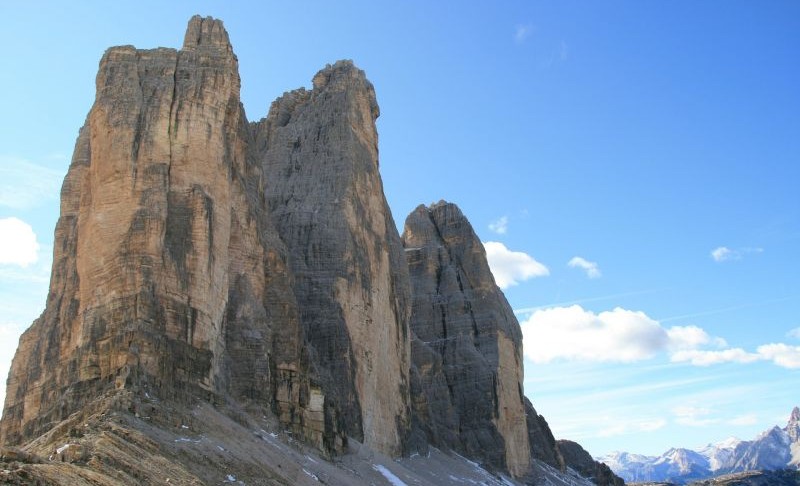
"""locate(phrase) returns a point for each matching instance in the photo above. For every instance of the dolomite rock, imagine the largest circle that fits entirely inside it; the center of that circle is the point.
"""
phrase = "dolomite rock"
(207, 269)
(467, 355)
(319, 151)
(542, 443)
(582, 462)
(167, 274)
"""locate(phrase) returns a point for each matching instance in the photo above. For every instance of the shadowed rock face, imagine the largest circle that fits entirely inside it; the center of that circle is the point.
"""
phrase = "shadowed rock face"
(467, 354)
(581, 461)
(540, 437)
(319, 151)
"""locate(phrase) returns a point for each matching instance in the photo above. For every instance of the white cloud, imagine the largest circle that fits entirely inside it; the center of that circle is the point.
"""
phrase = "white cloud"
(511, 267)
(522, 32)
(24, 185)
(18, 245)
(500, 226)
(724, 254)
(620, 335)
(691, 337)
(624, 336)
(794, 333)
(781, 354)
(573, 333)
(699, 357)
(591, 268)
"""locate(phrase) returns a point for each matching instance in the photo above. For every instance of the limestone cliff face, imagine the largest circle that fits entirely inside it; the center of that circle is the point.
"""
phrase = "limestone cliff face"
(319, 151)
(467, 355)
(167, 274)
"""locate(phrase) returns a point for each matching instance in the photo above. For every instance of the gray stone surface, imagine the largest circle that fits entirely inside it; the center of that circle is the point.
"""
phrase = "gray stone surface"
(576, 458)
(319, 150)
(467, 355)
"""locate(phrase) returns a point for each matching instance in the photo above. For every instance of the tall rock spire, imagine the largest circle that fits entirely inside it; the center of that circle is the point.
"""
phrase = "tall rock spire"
(164, 260)
(468, 357)
(319, 150)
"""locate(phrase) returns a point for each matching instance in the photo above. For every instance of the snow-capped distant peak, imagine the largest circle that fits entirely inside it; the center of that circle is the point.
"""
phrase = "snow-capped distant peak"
(775, 448)
(729, 443)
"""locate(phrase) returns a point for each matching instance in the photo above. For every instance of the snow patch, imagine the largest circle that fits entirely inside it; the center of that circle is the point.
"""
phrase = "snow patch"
(187, 439)
(311, 475)
(795, 451)
(62, 448)
(230, 478)
(394, 480)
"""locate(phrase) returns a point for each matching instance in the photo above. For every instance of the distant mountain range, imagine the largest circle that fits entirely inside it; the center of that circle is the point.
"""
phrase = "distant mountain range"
(774, 449)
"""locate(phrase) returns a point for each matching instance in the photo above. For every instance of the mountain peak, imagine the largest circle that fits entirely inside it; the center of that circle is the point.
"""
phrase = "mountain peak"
(795, 417)
(206, 32)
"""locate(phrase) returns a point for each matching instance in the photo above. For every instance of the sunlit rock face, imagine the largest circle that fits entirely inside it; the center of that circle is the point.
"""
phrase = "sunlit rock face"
(167, 274)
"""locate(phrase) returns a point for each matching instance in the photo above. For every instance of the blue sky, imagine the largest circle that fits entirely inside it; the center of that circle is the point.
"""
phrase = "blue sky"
(635, 164)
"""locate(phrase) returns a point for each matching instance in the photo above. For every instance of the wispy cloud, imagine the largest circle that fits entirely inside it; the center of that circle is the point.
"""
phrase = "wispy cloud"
(794, 333)
(779, 354)
(24, 185)
(522, 32)
(512, 267)
(725, 254)
(528, 310)
(694, 416)
(500, 225)
(624, 427)
(699, 357)
(591, 268)
(743, 420)
(722, 310)
(18, 245)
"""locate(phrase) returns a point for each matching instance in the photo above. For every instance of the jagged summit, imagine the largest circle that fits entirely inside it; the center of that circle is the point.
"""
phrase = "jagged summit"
(233, 299)
(206, 32)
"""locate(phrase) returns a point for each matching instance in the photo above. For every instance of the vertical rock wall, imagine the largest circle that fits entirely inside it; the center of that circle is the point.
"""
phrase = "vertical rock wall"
(319, 150)
(468, 354)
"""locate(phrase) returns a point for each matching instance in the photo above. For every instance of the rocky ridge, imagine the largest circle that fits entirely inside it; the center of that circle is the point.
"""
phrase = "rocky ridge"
(233, 297)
